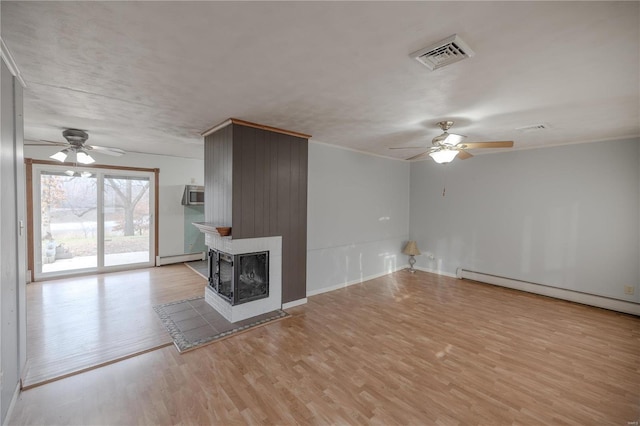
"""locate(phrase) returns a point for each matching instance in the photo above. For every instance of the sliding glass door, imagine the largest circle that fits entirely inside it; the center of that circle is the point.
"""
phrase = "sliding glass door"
(91, 220)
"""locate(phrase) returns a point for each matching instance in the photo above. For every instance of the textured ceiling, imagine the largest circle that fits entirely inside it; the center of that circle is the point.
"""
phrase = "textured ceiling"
(150, 76)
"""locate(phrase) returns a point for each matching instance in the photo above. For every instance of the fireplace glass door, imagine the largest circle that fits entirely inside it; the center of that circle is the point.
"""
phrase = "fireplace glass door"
(240, 278)
(225, 276)
(253, 277)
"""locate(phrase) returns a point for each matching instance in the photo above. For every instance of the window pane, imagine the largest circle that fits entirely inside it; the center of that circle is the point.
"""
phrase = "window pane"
(126, 220)
(68, 222)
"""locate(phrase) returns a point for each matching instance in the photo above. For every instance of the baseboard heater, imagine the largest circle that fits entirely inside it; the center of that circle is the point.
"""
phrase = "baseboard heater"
(550, 291)
(167, 260)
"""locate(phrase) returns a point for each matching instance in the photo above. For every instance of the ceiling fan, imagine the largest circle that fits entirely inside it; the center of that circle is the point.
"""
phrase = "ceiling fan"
(448, 146)
(75, 144)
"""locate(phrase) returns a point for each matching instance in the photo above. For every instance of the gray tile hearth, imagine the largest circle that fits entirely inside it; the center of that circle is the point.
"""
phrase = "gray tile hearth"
(193, 322)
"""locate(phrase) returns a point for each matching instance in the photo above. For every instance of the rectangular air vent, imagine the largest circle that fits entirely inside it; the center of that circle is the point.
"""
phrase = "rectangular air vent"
(443, 53)
(533, 128)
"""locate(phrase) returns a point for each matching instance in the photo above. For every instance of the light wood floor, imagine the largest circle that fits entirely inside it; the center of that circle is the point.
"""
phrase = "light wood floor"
(401, 349)
(77, 323)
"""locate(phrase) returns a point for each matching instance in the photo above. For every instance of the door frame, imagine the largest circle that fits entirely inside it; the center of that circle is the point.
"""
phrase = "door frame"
(29, 163)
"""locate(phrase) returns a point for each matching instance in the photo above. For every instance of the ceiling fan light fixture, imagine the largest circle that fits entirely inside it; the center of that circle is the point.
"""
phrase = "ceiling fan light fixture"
(83, 174)
(60, 155)
(452, 139)
(443, 156)
(83, 158)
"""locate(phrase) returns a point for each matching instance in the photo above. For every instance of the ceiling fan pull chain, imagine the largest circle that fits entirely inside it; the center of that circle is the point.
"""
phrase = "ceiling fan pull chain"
(444, 181)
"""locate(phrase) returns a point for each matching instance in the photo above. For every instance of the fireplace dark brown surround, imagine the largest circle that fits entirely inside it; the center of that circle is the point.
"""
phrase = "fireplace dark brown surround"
(256, 182)
(239, 278)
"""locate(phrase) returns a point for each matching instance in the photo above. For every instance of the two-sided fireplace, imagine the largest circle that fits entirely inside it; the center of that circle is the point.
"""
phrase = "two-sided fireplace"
(239, 278)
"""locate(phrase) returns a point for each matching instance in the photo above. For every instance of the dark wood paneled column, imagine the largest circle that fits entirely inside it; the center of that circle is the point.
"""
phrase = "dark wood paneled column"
(218, 156)
(261, 184)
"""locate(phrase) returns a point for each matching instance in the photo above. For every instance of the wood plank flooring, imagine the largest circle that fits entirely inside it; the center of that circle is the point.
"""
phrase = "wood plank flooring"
(77, 323)
(400, 349)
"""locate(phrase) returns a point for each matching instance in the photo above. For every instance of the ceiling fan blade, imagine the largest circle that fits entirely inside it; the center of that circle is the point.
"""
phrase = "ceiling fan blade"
(407, 147)
(43, 142)
(116, 152)
(415, 157)
(34, 143)
(463, 155)
(495, 144)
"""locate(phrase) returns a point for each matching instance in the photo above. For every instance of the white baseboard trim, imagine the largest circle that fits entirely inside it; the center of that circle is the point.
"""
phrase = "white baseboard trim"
(294, 303)
(433, 271)
(12, 404)
(352, 282)
(555, 292)
(180, 258)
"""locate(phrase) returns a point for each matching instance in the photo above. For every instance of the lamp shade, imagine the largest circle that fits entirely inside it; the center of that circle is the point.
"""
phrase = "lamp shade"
(444, 155)
(449, 139)
(411, 249)
(84, 158)
(60, 155)
(453, 139)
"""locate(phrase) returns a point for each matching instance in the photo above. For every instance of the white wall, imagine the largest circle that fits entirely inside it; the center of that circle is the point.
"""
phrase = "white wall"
(357, 217)
(12, 240)
(175, 173)
(566, 216)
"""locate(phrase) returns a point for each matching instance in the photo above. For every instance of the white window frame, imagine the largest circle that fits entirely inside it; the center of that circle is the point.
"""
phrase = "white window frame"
(99, 173)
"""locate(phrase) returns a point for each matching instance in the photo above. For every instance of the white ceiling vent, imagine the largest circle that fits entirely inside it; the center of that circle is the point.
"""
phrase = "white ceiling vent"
(533, 127)
(443, 53)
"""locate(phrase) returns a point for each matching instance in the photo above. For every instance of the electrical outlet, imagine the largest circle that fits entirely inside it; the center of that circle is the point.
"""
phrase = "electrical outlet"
(629, 289)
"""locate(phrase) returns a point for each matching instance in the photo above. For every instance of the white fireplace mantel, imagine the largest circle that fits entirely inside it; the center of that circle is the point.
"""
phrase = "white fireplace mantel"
(240, 246)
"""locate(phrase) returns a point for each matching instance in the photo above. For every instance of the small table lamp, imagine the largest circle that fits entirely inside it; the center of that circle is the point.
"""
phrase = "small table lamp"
(411, 249)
